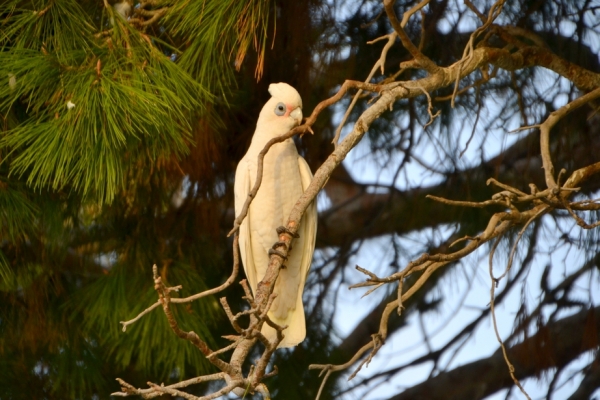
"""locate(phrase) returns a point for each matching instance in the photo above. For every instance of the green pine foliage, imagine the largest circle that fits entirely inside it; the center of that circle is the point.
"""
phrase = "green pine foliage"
(92, 102)
(103, 121)
(126, 297)
(17, 211)
(209, 47)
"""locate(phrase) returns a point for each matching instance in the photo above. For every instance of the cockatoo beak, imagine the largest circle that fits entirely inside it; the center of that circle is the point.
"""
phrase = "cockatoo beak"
(297, 115)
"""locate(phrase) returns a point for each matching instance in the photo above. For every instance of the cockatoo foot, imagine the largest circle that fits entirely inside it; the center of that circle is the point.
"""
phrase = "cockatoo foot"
(283, 229)
(277, 252)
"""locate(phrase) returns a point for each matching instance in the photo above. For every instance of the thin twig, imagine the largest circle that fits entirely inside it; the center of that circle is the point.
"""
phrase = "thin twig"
(511, 368)
(127, 389)
(424, 61)
(429, 108)
(225, 285)
(469, 48)
(379, 64)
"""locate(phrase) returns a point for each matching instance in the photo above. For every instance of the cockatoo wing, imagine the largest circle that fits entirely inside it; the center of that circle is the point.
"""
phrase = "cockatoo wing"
(309, 222)
(242, 187)
(307, 230)
(288, 308)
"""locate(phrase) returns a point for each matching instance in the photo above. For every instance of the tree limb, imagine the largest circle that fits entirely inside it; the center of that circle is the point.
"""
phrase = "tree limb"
(566, 342)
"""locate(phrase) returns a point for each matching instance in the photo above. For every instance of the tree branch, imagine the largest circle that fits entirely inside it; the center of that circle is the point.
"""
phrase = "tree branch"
(562, 341)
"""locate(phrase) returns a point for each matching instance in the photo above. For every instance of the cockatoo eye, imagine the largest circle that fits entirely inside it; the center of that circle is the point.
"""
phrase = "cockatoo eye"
(280, 109)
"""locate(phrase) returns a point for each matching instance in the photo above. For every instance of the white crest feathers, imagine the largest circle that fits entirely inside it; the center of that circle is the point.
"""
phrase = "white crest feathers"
(285, 92)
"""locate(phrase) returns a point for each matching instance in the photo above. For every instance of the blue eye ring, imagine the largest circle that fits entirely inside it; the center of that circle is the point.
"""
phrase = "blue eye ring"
(280, 109)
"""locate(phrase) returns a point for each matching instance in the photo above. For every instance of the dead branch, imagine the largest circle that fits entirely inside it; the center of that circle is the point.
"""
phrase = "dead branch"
(421, 59)
(499, 224)
(225, 285)
(494, 12)
(547, 125)
(128, 389)
(380, 64)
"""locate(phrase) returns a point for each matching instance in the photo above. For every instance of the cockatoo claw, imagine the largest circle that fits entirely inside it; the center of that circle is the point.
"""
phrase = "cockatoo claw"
(283, 229)
(309, 129)
(277, 252)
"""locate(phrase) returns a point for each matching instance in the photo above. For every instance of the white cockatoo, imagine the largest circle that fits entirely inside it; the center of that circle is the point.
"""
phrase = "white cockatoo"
(285, 177)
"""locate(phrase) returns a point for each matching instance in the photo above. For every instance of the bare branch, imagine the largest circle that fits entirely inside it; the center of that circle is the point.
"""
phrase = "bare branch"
(547, 125)
(499, 224)
(494, 12)
(127, 389)
(423, 60)
(380, 64)
(225, 285)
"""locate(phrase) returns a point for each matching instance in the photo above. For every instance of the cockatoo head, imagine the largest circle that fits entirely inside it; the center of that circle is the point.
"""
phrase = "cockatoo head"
(283, 111)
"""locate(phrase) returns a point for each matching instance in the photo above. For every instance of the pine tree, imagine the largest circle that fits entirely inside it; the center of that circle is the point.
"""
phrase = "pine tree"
(104, 107)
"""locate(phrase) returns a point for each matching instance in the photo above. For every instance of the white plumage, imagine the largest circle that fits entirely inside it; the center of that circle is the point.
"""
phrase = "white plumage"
(285, 177)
